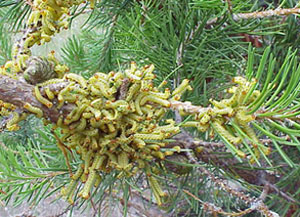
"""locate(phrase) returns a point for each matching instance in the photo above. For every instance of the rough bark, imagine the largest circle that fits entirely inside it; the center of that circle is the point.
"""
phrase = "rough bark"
(18, 93)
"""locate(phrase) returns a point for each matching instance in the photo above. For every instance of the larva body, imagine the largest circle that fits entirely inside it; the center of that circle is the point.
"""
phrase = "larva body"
(42, 99)
(35, 110)
(222, 131)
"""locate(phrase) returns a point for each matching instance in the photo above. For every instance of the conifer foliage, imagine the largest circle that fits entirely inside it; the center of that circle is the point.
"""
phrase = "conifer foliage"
(165, 107)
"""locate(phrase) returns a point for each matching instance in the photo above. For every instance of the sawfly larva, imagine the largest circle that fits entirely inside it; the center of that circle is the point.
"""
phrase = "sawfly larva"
(223, 132)
(42, 99)
(35, 110)
(85, 192)
(49, 93)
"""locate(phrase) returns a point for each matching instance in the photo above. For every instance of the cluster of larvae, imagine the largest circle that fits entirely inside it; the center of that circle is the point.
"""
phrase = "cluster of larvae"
(47, 18)
(117, 123)
(11, 117)
(234, 109)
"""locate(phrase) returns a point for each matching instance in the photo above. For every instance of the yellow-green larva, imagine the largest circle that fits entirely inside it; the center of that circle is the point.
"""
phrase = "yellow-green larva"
(49, 93)
(123, 159)
(42, 99)
(155, 99)
(79, 79)
(91, 132)
(154, 184)
(132, 91)
(182, 87)
(13, 120)
(35, 110)
(78, 173)
(243, 118)
(64, 91)
(149, 136)
(223, 132)
(85, 192)
(82, 125)
(52, 81)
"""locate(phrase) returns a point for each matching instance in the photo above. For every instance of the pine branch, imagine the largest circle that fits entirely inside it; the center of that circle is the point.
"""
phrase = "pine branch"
(19, 93)
(259, 14)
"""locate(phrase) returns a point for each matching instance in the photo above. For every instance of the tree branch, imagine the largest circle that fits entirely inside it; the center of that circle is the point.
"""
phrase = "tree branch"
(19, 93)
(261, 14)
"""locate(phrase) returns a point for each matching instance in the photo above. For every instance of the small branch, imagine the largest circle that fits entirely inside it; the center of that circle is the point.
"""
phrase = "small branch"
(261, 14)
(188, 107)
(268, 13)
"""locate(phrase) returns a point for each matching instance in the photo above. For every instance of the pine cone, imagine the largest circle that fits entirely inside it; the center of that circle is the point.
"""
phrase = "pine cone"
(38, 70)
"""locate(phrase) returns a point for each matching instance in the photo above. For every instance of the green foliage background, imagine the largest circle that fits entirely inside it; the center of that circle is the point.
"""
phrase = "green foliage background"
(175, 37)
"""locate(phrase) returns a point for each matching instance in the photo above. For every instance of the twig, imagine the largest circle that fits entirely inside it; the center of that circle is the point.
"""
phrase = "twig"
(273, 188)
(188, 107)
(261, 14)
(65, 211)
(256, 204)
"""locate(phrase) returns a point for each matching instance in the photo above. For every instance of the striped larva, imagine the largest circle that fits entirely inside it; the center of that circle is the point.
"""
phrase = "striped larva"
(94, 145)
(85, 192)
(13, 120)
(182, 88)
(219, 105)
(134, 88)
(139, 143)
(155, 99)
(123, 160)
(94, 123)
(155, 186)
(77, 78)
(103, 88)
(154, 147)
(202, 128)
(70, 115)
(158, 154)
(132, 76)
(116, 105)
(87, 160)
(137, 103)
(111, 128)
(190, 124)
(126, 148)
(149, 136)
(164, 95)
(35, 110)
(99, 76)
(95, 91)
(223, 132)
(49, 93)
(243, 118)
(96, 112)
(91, 132)
(98, 180)
(224, 111)
(52, 81)
(239, 80)
(42, 99)
(74, 117)
(64, 91)
(112, 158)
(76, 89)
(251, 133)
(78, 173)
(166, 129)
(97, 103)
(82, 125)
(98, 161)
(205, 119)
